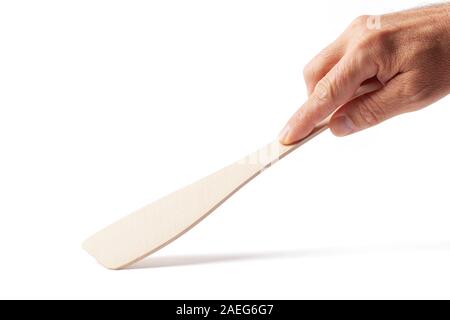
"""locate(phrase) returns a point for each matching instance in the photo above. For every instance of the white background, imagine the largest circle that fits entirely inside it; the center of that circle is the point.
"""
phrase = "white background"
(106, 106)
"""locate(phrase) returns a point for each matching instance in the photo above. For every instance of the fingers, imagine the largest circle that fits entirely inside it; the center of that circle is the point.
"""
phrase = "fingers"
(336, 88)
(318, 67)
(371, 109)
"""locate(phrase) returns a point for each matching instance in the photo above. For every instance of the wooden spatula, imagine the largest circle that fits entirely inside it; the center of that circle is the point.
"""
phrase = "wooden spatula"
(156, 225)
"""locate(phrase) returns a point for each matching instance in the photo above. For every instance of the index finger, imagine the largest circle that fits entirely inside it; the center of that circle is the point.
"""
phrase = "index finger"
(337, 87)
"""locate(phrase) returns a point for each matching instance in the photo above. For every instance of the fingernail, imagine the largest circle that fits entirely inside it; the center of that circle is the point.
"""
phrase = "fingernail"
(284, 134)
(342, 126)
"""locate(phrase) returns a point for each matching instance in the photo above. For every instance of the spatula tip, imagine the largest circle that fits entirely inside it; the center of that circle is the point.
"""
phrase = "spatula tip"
(88, 246)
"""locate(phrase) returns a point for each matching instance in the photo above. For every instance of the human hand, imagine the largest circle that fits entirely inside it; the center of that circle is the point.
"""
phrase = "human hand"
(407, 52)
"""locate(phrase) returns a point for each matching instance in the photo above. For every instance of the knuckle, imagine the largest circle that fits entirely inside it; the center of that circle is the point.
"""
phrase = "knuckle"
(373, 22)
(367, 22)
(364, 49)
(324, 91)
(376, 38)
(360, 21)
(370, 112)
(367, 41)
(312, 69)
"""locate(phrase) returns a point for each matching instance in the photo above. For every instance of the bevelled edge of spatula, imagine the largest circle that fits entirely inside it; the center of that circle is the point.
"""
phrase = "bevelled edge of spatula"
(149, 229)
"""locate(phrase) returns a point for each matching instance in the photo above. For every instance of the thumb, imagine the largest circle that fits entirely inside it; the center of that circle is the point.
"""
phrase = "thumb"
(372, 108)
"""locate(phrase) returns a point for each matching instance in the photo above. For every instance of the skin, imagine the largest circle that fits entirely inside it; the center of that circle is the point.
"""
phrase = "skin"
(407, 53)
